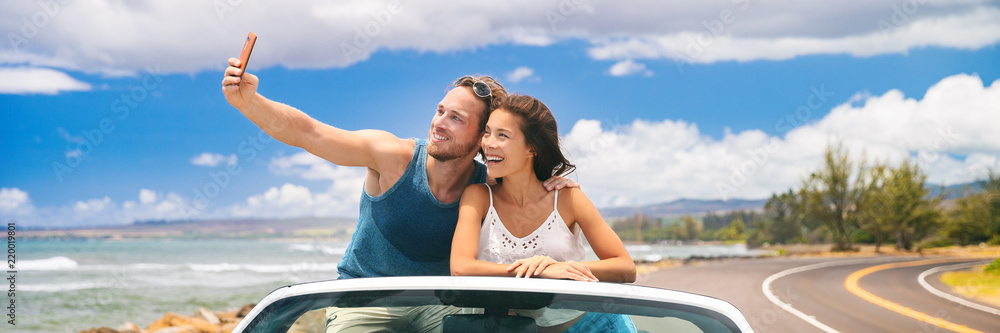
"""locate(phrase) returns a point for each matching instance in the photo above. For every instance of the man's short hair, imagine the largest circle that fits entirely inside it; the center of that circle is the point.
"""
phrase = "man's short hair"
(496, 89)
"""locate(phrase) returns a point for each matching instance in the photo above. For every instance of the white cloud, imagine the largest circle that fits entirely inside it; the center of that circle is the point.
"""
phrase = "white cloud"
(147, 196)
(522, 73)
(115, 38)
(15, 202)
(629, 67)
(310, 167)
(212, 160)
(969, 30)
(98, 211)
(29, 80)
(291, 200)
(341, 198)
(950, 133)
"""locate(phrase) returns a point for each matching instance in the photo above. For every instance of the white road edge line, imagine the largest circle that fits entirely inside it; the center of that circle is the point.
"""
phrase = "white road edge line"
(923, 276)
(766, 287)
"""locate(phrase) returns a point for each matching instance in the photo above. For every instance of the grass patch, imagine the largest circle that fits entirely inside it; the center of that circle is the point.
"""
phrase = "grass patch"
(993, 268)
(975, 284)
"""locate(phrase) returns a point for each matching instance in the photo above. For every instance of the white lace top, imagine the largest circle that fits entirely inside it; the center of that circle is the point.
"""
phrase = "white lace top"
(552, 238)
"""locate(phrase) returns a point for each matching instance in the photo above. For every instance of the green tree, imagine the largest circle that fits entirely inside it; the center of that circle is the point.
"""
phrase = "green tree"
(876, 205)
(691, 228)
(916, 212)
(832, 196)
(968, 220)
(738, 226)
(736, 230)
(991, 188)
(975, 216)
(895, 202)
(678, 232)
(785, 214)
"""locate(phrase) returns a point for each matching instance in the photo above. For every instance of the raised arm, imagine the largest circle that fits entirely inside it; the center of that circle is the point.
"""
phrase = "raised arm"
(465, 244)
(615, 264)
(295, 128)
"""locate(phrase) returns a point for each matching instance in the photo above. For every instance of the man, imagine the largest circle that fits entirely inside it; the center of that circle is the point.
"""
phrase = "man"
(409, 206)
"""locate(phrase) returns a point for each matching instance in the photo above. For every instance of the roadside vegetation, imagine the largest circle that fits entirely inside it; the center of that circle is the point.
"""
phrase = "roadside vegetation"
(982, 282)
(845, 203)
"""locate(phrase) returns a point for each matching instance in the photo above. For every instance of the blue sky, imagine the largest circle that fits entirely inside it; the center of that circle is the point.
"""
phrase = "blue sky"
(113, 111)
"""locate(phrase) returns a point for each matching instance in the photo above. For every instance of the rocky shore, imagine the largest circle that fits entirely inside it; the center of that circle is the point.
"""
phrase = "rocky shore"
(202, 321)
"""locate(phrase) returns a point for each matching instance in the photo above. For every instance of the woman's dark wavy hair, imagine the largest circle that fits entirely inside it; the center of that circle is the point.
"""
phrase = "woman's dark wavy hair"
(540, 133)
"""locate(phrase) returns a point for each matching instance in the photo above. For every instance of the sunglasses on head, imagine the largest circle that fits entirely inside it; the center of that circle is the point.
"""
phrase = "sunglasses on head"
(480, 88)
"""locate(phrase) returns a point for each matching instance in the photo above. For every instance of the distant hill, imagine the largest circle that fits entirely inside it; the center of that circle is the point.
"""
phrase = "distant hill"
(697, 207)
(955, 191)
(684, 207)
(309, 227)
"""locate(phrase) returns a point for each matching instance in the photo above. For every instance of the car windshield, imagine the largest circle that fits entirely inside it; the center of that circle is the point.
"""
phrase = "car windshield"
(470, 310)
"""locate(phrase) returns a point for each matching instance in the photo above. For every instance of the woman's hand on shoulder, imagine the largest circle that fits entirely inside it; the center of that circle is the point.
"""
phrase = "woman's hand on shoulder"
(557, 183)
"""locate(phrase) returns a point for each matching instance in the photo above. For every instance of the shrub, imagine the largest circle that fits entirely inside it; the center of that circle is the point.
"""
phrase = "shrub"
(937, 242)
(993, 267)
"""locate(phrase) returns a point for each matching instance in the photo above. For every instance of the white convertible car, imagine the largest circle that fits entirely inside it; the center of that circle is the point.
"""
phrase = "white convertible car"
(490, 304)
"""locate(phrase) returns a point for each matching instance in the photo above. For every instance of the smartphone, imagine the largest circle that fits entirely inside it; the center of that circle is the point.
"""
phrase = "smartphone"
(245, 54)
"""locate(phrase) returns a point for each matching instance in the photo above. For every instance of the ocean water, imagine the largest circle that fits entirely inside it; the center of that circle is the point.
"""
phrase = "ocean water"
(67, 286)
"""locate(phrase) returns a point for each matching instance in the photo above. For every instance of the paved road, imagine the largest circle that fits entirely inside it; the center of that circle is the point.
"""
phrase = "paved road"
(821, 293)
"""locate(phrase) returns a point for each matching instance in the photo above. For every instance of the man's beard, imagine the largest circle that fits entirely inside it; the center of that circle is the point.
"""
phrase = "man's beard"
(456, 152)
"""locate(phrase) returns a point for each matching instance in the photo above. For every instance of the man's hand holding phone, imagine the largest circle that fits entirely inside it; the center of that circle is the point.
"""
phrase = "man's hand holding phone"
(240, 87)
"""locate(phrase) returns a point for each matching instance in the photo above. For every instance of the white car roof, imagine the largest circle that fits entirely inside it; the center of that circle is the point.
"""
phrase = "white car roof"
(536, 285)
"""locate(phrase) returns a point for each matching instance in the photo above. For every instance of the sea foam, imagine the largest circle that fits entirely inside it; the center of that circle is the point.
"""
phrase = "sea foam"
(259, 268)
(49, 264)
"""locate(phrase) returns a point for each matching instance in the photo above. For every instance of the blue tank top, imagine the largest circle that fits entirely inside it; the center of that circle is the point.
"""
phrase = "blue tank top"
(405, 231)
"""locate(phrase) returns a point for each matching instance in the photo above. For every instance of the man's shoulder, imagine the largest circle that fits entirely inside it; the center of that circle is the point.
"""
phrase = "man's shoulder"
(408, 145)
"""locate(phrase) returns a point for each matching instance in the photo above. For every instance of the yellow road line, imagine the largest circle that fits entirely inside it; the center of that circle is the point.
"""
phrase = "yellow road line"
(852, 285)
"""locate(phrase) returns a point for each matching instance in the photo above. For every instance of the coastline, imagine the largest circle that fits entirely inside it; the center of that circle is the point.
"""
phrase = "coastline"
(205, 320)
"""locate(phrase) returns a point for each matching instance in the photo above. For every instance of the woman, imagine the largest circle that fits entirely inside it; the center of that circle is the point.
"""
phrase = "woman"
(517, 228)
